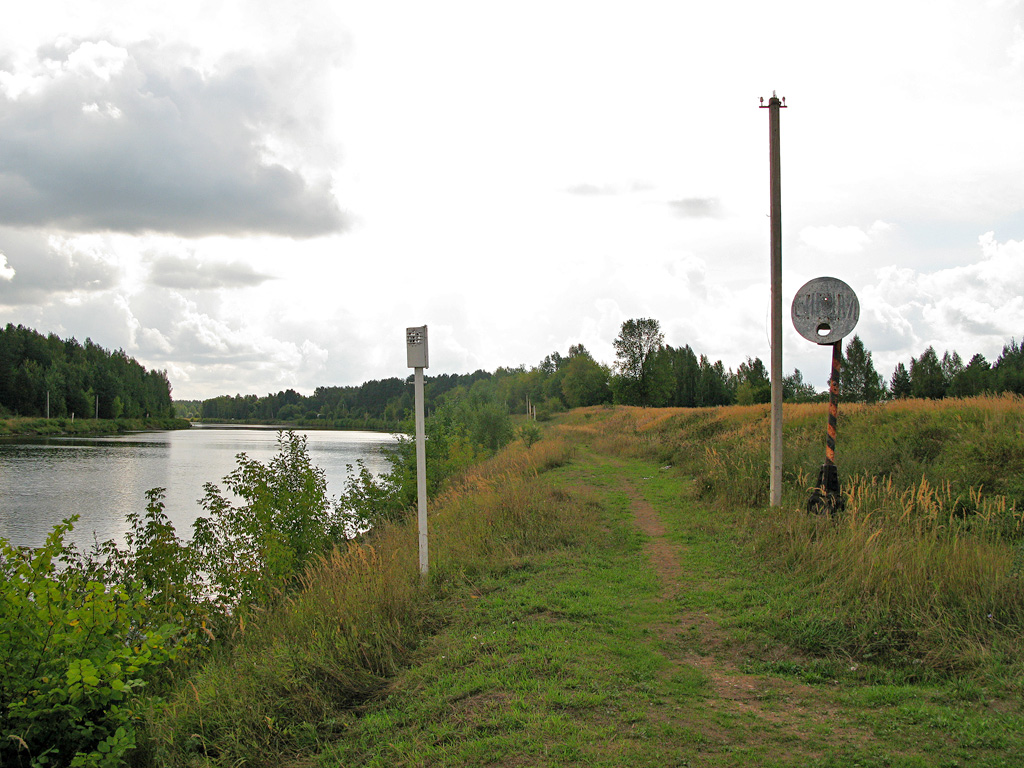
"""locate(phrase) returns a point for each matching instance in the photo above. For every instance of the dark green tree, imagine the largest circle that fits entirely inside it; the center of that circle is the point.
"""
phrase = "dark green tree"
(36, 368)
(635, 348)
(927, 379)
(900, 383)
(1008, 371)
(714, 387)
(859, 382)
(795, 389)
(752, 383)
(952, 366)
(586, 382)
(685, 375)
(972, 380)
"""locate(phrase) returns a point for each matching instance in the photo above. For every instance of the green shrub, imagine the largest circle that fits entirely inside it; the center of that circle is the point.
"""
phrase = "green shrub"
(529, 433)
(254, 551)
(75, 656)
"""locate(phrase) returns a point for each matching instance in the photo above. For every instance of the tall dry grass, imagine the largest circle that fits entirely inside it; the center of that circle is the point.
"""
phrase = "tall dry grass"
(288, 682)
(903, 574)
(925, 565)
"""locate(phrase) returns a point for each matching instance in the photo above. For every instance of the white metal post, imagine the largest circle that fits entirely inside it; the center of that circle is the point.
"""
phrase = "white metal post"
(421, 470)
(417, 359)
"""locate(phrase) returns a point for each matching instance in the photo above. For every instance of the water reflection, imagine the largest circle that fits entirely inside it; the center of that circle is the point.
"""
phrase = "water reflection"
(44, 480)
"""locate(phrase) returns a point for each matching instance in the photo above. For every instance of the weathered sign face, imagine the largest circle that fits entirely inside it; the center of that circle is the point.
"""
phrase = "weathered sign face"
(825, 310)
(416, 346)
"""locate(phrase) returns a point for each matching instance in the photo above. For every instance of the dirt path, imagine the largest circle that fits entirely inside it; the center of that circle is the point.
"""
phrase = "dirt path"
(780, 709)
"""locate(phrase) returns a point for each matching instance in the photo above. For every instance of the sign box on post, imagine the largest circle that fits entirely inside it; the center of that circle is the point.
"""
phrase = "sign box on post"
(416, 347)
(416, 357)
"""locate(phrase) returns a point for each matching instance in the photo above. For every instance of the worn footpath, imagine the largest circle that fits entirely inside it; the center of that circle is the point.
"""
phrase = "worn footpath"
(642, 642)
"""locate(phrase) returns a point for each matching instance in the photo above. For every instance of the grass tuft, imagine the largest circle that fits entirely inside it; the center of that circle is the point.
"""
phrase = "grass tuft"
(925, 565)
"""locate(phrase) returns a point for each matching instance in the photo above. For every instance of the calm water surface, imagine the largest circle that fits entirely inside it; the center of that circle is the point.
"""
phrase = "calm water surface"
(101, 479)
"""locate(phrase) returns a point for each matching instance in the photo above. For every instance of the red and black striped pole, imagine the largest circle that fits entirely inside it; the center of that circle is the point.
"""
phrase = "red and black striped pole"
(827, 497)
(833, 403)
(824, 311)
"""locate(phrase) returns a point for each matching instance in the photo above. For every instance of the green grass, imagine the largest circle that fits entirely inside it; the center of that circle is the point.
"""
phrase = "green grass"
(612, 610)
(551, 663)
(579, 657)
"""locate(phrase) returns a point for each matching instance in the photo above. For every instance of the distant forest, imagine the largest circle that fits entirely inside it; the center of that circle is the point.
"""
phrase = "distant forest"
(75, 379)
(646, 372)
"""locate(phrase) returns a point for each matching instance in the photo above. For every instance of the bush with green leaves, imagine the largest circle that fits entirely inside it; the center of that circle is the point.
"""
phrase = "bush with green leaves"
(161, 568)
(461, 431)
(83, 633)
(75, 656)
(529, 433)
(254, 550)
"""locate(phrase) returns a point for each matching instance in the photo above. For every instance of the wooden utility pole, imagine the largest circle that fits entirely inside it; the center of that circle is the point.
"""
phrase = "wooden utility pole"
(775, 153)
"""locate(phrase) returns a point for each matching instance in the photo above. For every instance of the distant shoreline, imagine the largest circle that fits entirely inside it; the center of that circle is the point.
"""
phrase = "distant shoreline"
(27, 426)
(340, 425)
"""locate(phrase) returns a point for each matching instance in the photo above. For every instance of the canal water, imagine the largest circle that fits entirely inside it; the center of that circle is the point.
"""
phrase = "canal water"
(101, 479)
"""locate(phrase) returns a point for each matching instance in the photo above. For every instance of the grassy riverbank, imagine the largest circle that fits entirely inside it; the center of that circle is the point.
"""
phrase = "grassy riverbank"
(27, 427)
(618, 595)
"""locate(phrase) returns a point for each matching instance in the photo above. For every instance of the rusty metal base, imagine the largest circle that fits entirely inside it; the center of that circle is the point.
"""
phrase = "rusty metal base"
(827, 498)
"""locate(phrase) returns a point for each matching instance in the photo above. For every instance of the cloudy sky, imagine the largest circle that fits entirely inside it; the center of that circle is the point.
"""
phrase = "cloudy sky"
(256, 196)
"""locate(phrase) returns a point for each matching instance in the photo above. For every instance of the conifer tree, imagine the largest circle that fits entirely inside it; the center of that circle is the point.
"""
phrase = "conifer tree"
(900, 383)
(859, 382)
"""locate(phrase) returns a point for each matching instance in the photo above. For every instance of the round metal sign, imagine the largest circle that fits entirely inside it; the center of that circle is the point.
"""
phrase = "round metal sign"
(825, 310)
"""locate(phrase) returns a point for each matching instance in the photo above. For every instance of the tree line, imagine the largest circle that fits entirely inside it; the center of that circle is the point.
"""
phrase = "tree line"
(373, 404)
(46, 375)
(646, 372)
(650, 372)
(930, 376)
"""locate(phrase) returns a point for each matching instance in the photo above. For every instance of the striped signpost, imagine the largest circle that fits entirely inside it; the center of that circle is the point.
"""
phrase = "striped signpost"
(824, 311)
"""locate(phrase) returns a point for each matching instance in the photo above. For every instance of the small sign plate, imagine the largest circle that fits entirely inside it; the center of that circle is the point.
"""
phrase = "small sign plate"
(416, 347)
(825, 310)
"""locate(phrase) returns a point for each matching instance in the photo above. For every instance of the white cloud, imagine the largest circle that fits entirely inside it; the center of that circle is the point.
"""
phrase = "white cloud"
(976, 307)
(184, 151)
(832, 240)
(175, 181)
(1015, 50)
(6, 271)
(40, 266)
(100, 60)
(190, 273)
(107, 110)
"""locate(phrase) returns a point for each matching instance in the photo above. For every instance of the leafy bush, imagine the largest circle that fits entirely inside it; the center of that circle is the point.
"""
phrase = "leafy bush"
(79, 643)
(370, 500)
(529, 433)
(75, 655)
(160, 567)
(82, 645)
(462, 431)
(253, 551)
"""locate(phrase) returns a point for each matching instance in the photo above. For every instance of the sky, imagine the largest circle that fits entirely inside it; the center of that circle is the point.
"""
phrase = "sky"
(257, 196)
